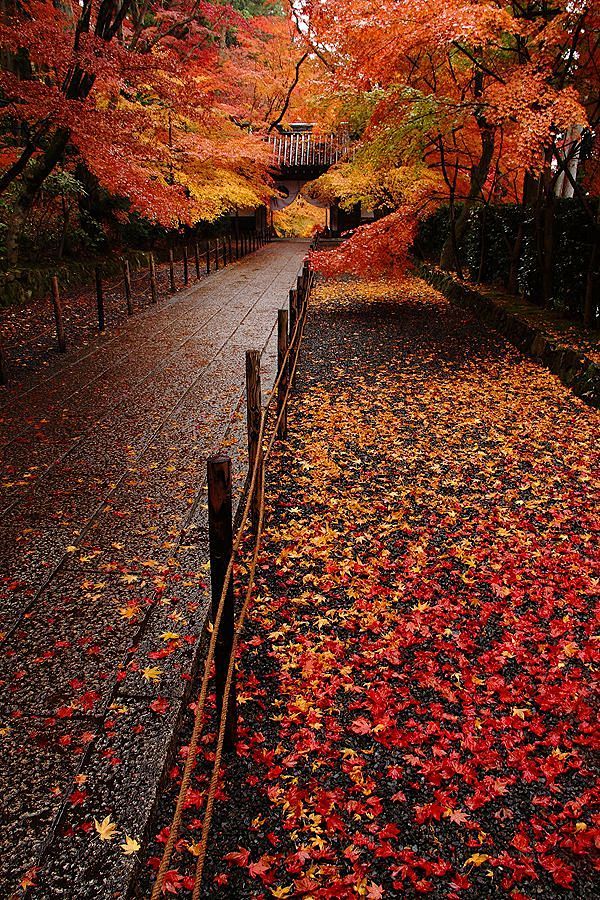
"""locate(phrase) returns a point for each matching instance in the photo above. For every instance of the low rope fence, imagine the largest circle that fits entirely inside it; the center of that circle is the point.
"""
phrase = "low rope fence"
(226, 632)
(215, 254)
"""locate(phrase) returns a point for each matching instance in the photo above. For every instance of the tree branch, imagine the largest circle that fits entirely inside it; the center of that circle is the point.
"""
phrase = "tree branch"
(291, 90)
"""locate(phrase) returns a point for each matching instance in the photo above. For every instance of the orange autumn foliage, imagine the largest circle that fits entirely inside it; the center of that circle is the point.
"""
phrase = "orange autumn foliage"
(465, 98)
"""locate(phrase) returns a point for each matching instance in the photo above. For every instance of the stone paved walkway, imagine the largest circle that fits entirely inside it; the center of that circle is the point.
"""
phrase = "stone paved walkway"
(103, 564)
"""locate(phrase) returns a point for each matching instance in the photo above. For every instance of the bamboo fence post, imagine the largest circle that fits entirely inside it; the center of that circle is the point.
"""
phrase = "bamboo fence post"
(100, 298)
(220, 531)
(197, 259)
(293, 313)
(153, 288)
(208, 257)
(58, 318)
(186, 265)
(253, 414)
(127, 284)
(171, 270)
(216, 254)
(282, 367)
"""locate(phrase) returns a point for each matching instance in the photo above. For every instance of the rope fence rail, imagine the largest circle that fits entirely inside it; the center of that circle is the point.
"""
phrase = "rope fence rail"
(225, 631)
(150, 283)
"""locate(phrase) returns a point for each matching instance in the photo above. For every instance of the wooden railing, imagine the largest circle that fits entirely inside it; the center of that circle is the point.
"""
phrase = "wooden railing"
(304, 150)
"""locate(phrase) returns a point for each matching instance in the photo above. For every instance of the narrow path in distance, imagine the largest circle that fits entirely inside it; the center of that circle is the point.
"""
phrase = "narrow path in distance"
(103, 561)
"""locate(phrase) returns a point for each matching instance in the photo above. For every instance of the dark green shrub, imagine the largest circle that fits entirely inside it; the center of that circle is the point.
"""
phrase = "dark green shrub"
(488, 246)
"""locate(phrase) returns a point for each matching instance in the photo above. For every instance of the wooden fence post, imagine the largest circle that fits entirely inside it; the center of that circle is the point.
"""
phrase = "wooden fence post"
(283, 369)
(229, 242)
(186, 266)
(220, 531)
(225, 251)
(153, 289)
(237, 246)
(172, 270)
(58, 317)
(253, 414)
(3, 368)
(293, 313)
(127, 284)
(100, 298)
(216, 254)
(197, 259)
(208, 257)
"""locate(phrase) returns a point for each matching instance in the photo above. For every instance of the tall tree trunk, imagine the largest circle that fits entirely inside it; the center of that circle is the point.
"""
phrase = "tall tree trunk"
(482, 244)
(479, 172)
(592, 286)
(453, 238)
(548, 241)
(31, 183)
(515, 257)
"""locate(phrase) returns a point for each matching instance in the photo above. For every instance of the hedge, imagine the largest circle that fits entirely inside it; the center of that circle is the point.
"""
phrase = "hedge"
(497, 227)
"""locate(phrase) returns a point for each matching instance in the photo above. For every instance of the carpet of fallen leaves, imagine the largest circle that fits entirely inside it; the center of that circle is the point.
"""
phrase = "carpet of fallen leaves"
(415, 680)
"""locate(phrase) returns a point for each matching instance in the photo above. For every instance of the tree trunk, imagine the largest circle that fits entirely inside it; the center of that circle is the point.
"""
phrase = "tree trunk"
(482, 244)
(513, 275)
(76, 86)
(515, 258)
(592, 286)
(31, 184)
(479, 172)
(548, 243)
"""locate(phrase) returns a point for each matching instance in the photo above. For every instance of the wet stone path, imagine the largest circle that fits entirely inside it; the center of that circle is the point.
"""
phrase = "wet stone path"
(103, 565)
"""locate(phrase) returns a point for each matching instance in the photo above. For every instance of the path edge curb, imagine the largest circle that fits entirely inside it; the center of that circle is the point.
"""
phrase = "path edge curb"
(575, 370)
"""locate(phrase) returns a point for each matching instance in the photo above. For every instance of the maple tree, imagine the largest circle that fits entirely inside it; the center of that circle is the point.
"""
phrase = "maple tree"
(159, 103)
(461, 103)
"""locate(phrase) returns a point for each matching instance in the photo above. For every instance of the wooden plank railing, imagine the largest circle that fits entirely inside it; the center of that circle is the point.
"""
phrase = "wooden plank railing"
(304, 150)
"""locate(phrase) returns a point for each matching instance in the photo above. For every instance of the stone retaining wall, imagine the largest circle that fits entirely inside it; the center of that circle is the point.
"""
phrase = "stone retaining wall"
(574, 368)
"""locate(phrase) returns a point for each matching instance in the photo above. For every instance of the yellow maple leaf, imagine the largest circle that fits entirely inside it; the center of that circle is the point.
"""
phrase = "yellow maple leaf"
(152, 673)
(106, 829)
(281, 892)
(477, 859)
(129, 612)
(130, 846)
(169, 636)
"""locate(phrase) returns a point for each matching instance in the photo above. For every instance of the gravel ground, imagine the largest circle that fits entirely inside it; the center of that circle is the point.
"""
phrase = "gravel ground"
(416, 675)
